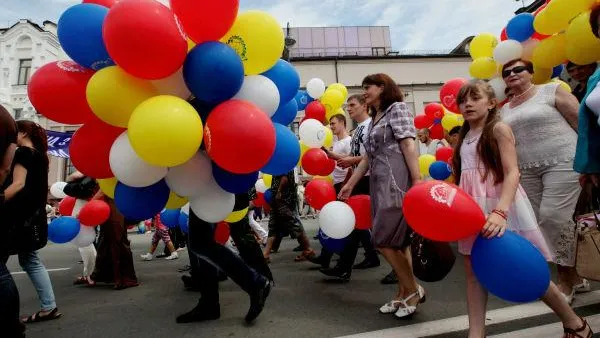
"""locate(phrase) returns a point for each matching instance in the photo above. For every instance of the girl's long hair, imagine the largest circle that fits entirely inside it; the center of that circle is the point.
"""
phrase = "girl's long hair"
(487, 148)
(38, 137)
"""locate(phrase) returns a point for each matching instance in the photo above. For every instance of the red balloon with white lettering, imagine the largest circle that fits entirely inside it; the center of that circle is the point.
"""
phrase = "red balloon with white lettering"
(449, 93)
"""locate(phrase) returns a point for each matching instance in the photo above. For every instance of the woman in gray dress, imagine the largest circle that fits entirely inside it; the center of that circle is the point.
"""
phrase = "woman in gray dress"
(392, 161)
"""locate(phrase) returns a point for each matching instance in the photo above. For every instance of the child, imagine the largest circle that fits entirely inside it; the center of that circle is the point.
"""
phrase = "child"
(160, 232)
(485, 164)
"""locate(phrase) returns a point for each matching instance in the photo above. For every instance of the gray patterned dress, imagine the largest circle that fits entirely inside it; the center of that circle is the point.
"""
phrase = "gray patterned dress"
(390, 177)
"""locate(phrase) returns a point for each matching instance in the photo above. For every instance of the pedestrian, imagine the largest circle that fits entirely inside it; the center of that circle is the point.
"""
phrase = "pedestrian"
(161, 232)
(486, 168)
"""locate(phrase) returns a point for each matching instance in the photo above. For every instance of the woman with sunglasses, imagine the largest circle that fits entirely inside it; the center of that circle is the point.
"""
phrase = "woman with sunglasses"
(544, 121)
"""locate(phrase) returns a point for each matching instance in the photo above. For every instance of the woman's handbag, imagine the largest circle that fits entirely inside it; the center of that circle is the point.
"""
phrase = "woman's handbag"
(587, 221)
(31, 235)
(432, 261)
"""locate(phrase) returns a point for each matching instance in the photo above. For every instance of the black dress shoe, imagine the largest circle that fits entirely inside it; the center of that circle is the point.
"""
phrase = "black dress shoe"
(200, 313)
(337, 273)
(188, 283)
(298, 248)
(390, 278)
(366, 264)
(319, 260)
(258, 299)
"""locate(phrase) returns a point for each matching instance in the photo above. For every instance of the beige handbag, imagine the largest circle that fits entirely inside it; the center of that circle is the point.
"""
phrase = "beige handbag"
(588, 236)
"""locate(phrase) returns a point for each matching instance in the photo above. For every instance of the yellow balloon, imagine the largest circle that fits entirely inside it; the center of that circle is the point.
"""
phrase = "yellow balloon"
(340, 87)
(483, 68)
(332, 99)
(113, 95)
(425, 161)
(165, 131)
(329, 115)
(550, 52)
(268, 179)
(326, 178)
(303, 149)
(449, 121)
(559, 13)
(258, 38)
(483, 45)
(175, 201)
(563, 84)
(108, 185)
(541, 75)
(191, 44)
(236, 216)
(328, 143)
(582, 45)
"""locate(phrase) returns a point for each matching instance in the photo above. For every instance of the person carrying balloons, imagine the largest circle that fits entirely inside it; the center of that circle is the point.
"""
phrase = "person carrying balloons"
(161, 232)
(486, 168)
(24, 201)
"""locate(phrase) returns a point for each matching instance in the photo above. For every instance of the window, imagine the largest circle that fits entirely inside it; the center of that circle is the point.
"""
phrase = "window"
(18, 113)
(296, 128)
(69, 167)
(378, 51)
(24, 70)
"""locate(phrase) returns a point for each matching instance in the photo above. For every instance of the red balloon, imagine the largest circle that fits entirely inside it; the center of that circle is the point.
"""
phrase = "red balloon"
(206, 20)
(434, 110)
(259, 201)
(105, 3)
(436, 132)
(239, 137)
(94, 213)
(442, 212)
(90, 147)
(318, 193)
(57, 91)
(316, 162)
(444, 154)
(315, 110)
(449, 92)
(423, 121)
(222, 233)
(145, 38)
(66, 205)
(361, 205)
(503, 35)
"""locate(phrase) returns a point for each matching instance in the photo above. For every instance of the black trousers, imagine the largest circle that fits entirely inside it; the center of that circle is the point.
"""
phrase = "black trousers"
(208, 257)
(9, 304)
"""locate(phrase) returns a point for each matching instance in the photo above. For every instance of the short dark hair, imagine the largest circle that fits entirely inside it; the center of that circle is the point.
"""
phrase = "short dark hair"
(391, 92)
(528, 64)
(340, 118)
(358, 97)
(594, 20)
(454, 130)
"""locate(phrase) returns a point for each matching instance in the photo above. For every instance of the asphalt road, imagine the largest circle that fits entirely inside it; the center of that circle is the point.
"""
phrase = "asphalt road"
(302, 304)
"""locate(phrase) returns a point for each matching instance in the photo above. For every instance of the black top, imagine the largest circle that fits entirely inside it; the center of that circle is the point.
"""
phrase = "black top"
(8, 131)
(242, 201)
(289, 193)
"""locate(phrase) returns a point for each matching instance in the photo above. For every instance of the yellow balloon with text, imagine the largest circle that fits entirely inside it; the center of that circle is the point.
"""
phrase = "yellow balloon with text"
(236, 216)
(582, 45)
(165, 131)
(483, 68)
(482, 46)
(258, 39)
(107, 186)
(175, 201)
(113, 95)
(340, 87)
(328, 143)
(550, 52)
(425, 161)
(267, 179)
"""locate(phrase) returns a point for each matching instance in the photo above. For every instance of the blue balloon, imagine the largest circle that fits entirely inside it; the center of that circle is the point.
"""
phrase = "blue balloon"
(269, 196)
(440, 170)
(510, 267)
(80, 35)
(286, 78)
(170, 218)
(233, 183)
(556, 71)
(332, 244)
(184, 222)
(520, 27)
(213, 72)
(141, 203)
(286, 154)
(302, 99)
(286, 113)
(63, 229)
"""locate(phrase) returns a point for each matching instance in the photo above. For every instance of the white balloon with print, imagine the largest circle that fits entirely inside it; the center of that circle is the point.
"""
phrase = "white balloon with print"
(337, 220)
(192, 177)
(57, 189)
(312, 133)
(129, 168)
(213, 204)
(507, 50)
(86, 237)
(499, 87)
(315, 88)
(261, 91)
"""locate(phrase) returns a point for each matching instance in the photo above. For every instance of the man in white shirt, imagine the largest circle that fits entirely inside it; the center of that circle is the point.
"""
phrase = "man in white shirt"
(427, 145)
(341, 149)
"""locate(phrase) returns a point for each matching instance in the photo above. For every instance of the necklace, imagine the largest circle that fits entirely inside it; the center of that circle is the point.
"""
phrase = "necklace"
(523, 93)
(472, 138)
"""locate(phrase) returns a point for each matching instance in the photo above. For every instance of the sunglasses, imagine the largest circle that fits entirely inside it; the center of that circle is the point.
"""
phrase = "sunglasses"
(518, 69)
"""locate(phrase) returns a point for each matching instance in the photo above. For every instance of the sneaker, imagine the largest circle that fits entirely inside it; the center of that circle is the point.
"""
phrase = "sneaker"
(337, 273)
(180, 249)
(147, 257)
(174, 255)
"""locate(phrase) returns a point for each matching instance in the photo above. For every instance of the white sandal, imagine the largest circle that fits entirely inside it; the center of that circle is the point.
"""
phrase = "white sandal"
(406, 310)
(583, 287)
(390, 307)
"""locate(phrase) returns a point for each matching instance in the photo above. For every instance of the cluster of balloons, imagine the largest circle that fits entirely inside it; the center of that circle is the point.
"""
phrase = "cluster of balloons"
(558, 31)
(438, 167)
(445, 116)
(442, 212)
(78, 219)
(180, 103)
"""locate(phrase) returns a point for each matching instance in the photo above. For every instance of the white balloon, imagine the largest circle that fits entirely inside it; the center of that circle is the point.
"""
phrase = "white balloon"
(86, 236)
(57, 188)
(213, 204)
(260, 186)
(312, 133)
(129, 168)
(315, 88)
(173, 85)
(190, 178)
(507, 50)
(261, 91)
(337, 220)
(499, 87)
(186, 209)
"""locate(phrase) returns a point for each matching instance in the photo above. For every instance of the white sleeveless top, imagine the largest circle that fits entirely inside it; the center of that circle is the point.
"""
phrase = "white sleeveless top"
(543, 136)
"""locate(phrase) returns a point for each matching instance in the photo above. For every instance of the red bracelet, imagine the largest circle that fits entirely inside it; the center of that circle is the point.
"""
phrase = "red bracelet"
(500, 213)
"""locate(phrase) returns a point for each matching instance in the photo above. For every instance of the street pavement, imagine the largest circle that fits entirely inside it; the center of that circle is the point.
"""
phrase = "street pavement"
(302, 304)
